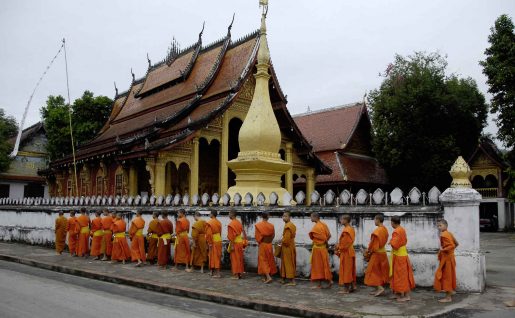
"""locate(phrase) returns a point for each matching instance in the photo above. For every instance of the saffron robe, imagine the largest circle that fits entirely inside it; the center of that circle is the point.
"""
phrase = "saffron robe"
(153, 240)
(60, 233)
(213, 238)
(402, 279)
(198, 234)
(137, 239)
(73, 234)
(347, 272)
(234, 235)
(378, 268)
(97, 235)
(182, 252)
(320, 267)
(265, 233)
(83, 222)
(121, 251)
(107, 244)
(288, 251)
(165, 228)
(445, 276)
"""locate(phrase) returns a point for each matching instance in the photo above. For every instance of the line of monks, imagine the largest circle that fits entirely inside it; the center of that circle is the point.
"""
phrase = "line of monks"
(108, 239)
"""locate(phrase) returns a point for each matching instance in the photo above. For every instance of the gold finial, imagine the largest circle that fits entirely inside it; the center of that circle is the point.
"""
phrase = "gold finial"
(460, 173)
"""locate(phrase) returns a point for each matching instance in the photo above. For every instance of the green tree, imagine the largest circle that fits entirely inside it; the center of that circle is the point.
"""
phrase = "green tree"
(423, 119)
(499, 68)
(8, 129)
(89, 114)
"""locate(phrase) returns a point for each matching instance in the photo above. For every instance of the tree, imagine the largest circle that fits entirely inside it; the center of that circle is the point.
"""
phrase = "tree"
(89, 114)
(499, 68)
(423, 119)
(8, 129)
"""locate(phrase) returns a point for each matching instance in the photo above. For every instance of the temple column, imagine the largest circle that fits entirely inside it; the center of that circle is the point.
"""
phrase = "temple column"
(168, 179)
(310, 184)
(288, 178)
(194, 167)
(224, 156)
(160, 178)
(150, 167)
(133, 180)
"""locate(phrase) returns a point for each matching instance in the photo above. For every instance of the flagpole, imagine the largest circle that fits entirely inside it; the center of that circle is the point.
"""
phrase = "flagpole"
(70, 121)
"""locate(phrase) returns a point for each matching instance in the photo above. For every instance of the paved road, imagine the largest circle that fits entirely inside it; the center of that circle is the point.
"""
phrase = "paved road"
(30, 292)
(499, 249)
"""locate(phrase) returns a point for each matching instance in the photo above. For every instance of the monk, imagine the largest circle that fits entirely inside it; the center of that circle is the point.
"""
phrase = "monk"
(84, 222)
(137, 239)
(235, 248)
(107, 243)
(97, 236)
(73, 233)
(402, 280)
(345, 250)
(265, 234)
(165, 230)
(445, 276)
(214, 241)
(320, 267)
(288, 251)
(378, 269)
(60, 233)
(182, 252)
(121, 251)
(153, 238)
(199, 247)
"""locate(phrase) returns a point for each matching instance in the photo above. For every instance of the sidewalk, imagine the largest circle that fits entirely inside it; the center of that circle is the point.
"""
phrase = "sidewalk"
(250, 293)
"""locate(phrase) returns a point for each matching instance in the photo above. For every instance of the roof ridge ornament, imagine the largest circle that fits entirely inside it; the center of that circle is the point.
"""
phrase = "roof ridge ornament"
(133, 76)
(149, 61)
(116, 90)
(230, 25)
(201, 31)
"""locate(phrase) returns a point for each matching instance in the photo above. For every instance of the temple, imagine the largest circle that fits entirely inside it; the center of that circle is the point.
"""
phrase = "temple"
(346, 148)
(176, 129)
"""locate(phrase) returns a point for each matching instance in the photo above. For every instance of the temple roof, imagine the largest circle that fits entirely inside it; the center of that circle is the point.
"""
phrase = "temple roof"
(342, 120)
(27, 133)
(182, 94)
(488, 147)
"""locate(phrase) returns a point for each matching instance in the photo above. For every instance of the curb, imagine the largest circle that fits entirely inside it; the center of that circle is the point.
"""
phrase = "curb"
(215, 297)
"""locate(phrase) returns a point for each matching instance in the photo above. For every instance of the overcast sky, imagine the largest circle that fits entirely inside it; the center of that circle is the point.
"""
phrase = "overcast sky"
(326, 53)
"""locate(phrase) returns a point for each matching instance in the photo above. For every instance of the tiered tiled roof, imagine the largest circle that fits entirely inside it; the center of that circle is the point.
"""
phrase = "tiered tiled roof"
(182, 94)
(330, 131)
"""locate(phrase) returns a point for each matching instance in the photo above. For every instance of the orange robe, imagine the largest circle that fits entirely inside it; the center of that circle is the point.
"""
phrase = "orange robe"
(182, 252)
(320, 268)
(234, 235)
(121, 251)
(73, 234)
(107, 244)
(214, 239)
(137, 239)
(60, 234)
(165, 230)
(445, 276)
(265, 233)
(198, 234)
(97, 234)
(83, 221)
(153, 240)
(288, 251)
(378, 268)
(402, 279)
(347, 273)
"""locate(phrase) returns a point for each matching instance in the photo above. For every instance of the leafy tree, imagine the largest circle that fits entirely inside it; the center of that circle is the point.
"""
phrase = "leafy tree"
(499, 67)
(89, 114)
(8, 129)
(423, 119)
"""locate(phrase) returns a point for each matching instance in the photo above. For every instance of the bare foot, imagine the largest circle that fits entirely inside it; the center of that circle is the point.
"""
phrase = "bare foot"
(510, 303)
(445, 300)
(188, 270)
(403, 299)
(235, 277)
(217, 276)
(343, 291)
(379, 293)
(316, 287)
(268, 281)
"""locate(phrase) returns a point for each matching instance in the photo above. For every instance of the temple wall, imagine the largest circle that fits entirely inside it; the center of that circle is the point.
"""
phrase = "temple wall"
(34, 225)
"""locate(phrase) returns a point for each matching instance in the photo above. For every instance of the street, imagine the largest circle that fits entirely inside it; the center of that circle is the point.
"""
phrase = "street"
(30, 292)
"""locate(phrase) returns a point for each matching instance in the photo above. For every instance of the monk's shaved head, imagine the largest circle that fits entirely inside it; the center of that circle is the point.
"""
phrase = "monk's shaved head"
(164, 214)
(72, 213)
(379, 217)
(83, 210)
(264, 215)
(346, 217)
(138, 212)
(181, 212)
(232, 214)
(61, 212)
(155, 214)
(396, 219)
(119, 215)
(443, 221)
(197, 214)
(97, 213)
(213, 213)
